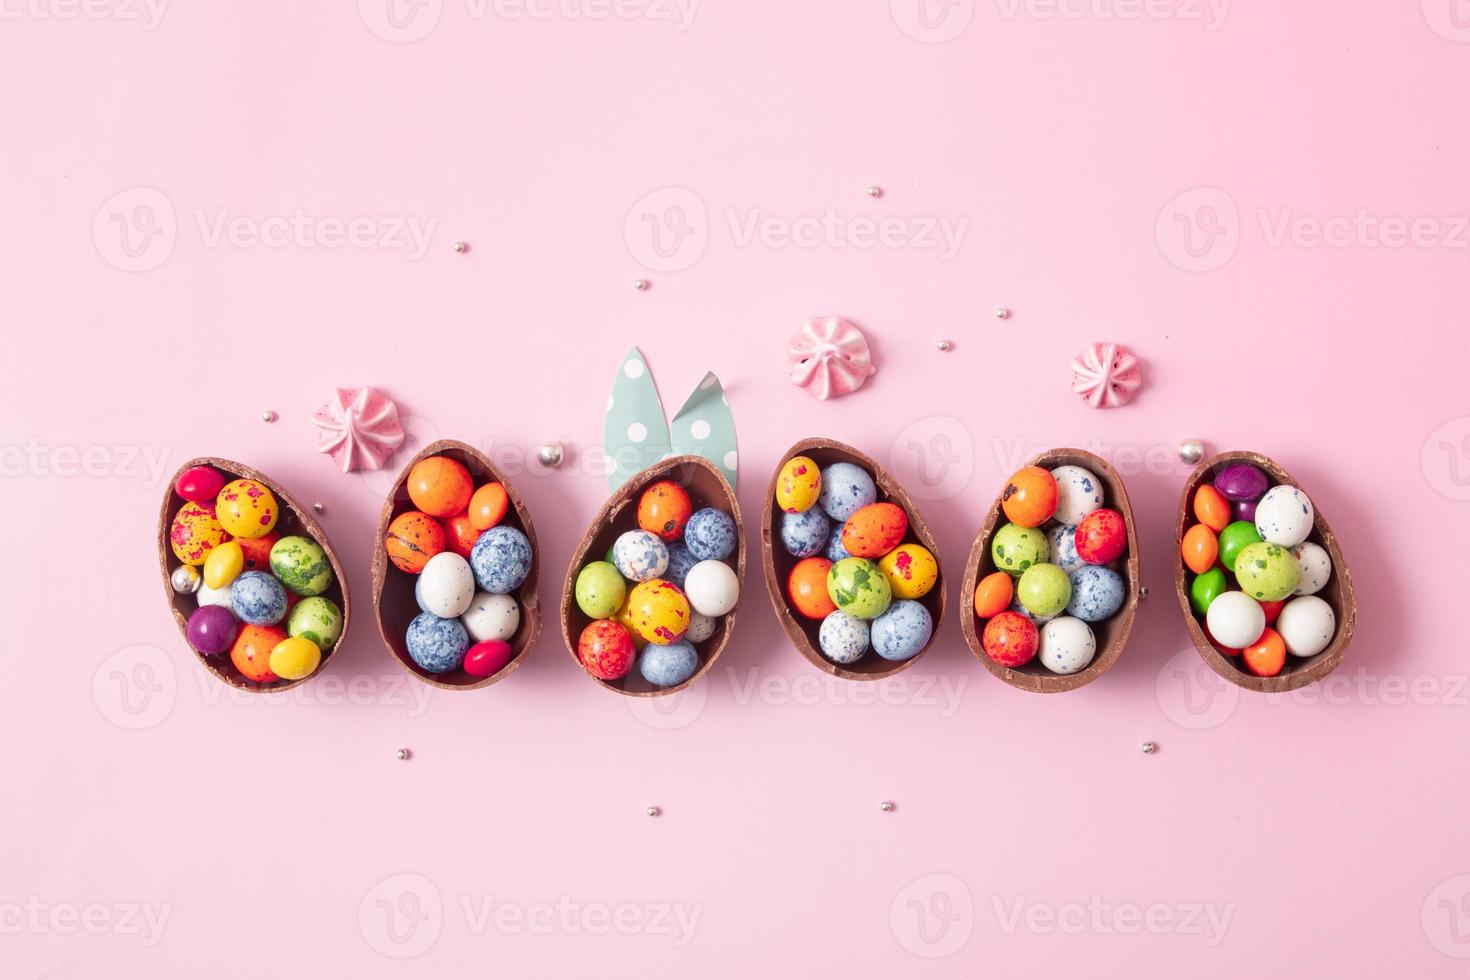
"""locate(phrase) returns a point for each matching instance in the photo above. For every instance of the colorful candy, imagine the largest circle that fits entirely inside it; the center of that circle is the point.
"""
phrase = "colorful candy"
(640, 556)
(199, 484)
(1200, 548)
(446, 586)
(251, 652)
(1267, 656)
(1079, 493)
(1015, 549)
(258, 598)
(317, 619)
(295, 657)
(911, 569)
(1097, 594)
(859, 588)
(487, 658)
(488, 506)
(606, 650)
(436, 644)
(669, 664)
(440, 486)
(1030, 497)
(993, 594)
(711, 535)
(806, 586)
(1235, 620)
(1044, 589)
(195, 532)
(600, 590)
(1285, 516)
(1010, 639)
(805, 534)
(660, 611)
(460, 535)
(713, 588)
(846, 489)
(301, 565)
(224, 561)
(1066, 645)
(211, 629)
(502, 559)
(491, 617)
(875, 530)
(1102, 537)
(1267, 572)
(843, 638)
(664, 508)
(1307, 625)
(1211, 508)
(247, 509)
(902, 631)
(798, 485)
(413, 538)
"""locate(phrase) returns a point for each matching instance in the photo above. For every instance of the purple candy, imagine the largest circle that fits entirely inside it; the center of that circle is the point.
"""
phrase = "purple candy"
(1244, 510)
(212, 629)
(1241, 481)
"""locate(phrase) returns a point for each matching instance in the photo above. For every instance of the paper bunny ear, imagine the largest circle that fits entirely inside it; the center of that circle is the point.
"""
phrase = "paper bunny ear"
(634, 434)
(705, 427)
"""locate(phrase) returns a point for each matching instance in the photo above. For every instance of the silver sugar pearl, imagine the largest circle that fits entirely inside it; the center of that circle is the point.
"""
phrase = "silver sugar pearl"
(404, 755)
(1143, 592)
(1002, 313)
(459, 246)
(641, 285)
(185, 580)
(945, 345)
(653, 811)
(886, 806)
(1149, 748)
(550, 454)
(318, 507)
(875, 191)
(1191, 451)
(267, 416)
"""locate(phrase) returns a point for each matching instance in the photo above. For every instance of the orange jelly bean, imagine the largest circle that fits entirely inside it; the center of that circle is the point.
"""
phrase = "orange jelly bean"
(993, 594)
(1266, 656)
(1211, 508)
(1200, 548)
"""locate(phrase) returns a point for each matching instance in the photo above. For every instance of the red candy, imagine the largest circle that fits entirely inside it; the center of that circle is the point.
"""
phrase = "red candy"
(199, 483)
(606, 650)
(1010, 639)
(460, 535)
(487, 657)
(1101, 537)
(1273, 610)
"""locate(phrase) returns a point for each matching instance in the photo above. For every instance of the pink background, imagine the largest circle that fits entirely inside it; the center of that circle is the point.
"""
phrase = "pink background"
(282, 836)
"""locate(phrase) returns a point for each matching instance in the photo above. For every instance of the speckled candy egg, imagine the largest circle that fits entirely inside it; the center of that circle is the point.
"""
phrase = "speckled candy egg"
(859, 588)
(1102, 537)
(446, 585)
(211, 630)
(681, 559)
(713, 588)
(436, 644)
(600, 590)
(1062, 542)
(1267, 572)
(669, 664)
(1284, 516)
(701, 628)
(835, 550)
(247, 508)
(805, 534)
(1315, 567)
(1030, 497)
(257, 551)
(502, 559)
(257, 598)
(318, 619)
(487, 658)
(1241, 481)
(491, 616)
(1236, 620)
(1066, 645)
(1044, 589)
(843, 638)
(302, 566)
(1097, 593)
(875, 530)
(911, 569)
(660, 611)
(710, 535)
(1307, 624)
(1015, 549)
(1079, 493)
(663, 509)
(413, 538)
(798, 485)
(640, 556)
(194, 533)
(846, 489)
(440, 486)
(606, 650)
(902, 631)
(251, 652)
(1010, 639)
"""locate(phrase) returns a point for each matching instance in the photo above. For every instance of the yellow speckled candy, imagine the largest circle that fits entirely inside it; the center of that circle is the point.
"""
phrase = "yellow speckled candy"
(799, 485)
(247, 509)
(911, 571)
(194, 533)
(624, 618)
(660, 611)
(223, 563)
(294, 658)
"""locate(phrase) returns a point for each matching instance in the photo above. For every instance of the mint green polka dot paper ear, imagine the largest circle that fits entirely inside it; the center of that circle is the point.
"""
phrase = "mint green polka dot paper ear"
(705, 427)
(635, 434)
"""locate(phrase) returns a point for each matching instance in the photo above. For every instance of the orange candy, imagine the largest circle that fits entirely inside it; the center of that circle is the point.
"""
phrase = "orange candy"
(1211, 508)
(1266, 656)
(807, 586)
(1030, 497)
(875, 530)
(664, 509)
(488, 506)
(414, 538)
(251, 653)
(1200, 548)
(993, 594)
(258, 551)
(460, 535)
(440, 486)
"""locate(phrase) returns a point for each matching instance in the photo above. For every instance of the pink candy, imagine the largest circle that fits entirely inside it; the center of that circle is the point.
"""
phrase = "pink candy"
(829, 358)
(360, 428)
(1106, 375)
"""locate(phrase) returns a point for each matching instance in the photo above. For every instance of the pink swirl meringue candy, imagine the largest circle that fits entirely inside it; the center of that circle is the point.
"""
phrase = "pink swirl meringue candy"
(829, 358)
(1106, 375)
(359, 427)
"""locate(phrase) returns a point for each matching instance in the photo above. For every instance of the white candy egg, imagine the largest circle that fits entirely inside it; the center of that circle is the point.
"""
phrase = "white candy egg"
(712, 588)
(446, 585)
(1067, 645)
(1284, 516)
(1079, 493)
(1315, 565)
(701, 627)
(491, 617)
(1306, 624)
(1235, 620)
(213, 597)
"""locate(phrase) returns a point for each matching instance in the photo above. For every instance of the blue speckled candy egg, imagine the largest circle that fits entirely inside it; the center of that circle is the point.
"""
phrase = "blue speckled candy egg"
(836, 550)
(437, 645)
(846, 488)
(667, 664)
(902, 631)
(844, 638)
(258, 598)
(640, 556)
(1016, 607)
(805, 534)
(501, 559)
(1063, 541)
(1079, 493)
(1097, 593)
(710, 534)
(681, 559)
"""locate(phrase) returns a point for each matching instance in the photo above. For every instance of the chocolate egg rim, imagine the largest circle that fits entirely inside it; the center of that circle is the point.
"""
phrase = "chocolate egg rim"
(1111, 634)
(291, 513)
(573, 620)
(528, 630)
(1338, 592)
(803, 632)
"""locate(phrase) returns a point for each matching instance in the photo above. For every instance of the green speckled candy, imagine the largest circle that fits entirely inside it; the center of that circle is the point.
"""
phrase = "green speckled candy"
(1205, 589)
(859, 588)
(1044, 589)
(1015, 549)
(600, 590)
(1235, 537)
(301, 565)
(317, 619)
(1267, 572)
